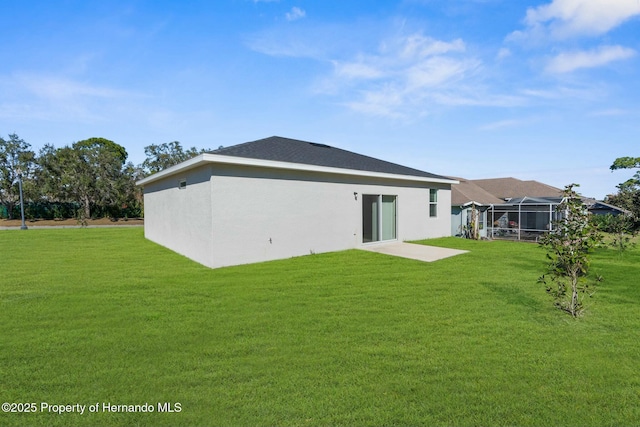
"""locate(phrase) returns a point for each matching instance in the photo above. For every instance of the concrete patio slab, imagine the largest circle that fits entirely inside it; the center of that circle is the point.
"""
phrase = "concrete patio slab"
(413, 251)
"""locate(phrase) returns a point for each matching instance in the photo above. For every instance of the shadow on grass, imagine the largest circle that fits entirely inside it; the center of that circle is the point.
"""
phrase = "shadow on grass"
(514, 295)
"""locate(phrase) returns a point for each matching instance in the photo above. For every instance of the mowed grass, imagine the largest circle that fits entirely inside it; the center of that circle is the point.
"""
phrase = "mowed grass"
(349, 338)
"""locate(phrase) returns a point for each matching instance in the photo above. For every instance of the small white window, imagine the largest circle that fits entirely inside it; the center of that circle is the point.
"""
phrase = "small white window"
(433, 203)
(182, 184)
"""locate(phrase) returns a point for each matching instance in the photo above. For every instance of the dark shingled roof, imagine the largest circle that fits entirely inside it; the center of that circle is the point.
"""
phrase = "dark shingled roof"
(309, 153)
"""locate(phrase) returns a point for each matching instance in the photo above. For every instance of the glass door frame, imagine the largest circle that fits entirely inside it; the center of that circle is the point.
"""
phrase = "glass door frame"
(379, 218)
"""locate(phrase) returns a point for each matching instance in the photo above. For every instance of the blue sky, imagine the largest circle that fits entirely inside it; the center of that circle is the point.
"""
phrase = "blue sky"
(545, 90)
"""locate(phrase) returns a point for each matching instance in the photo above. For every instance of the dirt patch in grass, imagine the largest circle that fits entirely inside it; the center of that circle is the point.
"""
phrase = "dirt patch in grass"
(70, 222)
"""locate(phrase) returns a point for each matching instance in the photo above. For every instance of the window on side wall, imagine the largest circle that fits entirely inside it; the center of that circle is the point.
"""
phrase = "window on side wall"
(433, 203)
(182, 184)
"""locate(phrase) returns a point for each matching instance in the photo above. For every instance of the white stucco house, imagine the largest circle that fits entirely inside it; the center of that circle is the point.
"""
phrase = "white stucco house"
(277, 198)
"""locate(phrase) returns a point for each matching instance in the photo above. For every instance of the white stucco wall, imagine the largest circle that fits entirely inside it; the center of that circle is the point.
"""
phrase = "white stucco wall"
(243, 214)
(180, 219)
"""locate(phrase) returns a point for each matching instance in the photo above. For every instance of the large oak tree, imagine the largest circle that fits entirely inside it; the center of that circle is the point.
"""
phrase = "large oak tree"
(89, 172)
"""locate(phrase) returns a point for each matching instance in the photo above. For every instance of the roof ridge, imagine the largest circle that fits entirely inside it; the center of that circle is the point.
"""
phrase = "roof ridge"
(306, 152)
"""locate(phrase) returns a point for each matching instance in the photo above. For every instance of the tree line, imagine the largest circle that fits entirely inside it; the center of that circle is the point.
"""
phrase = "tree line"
(87, 179)
(92, 178)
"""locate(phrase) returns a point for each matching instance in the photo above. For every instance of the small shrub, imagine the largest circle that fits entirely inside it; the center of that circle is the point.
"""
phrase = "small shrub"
(622, 229)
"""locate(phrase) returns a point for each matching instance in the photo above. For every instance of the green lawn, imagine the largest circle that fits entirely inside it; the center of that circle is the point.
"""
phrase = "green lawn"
(350, 338)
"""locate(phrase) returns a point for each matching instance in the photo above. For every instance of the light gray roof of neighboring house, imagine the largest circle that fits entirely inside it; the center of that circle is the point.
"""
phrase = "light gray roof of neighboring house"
(508, 188)
(467, 191)
(281, 149)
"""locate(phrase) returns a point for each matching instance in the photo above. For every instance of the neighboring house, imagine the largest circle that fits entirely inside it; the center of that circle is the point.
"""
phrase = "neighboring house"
(510, 208)
(527, 211)
(601, 208)
(469, 206)
(277, 198)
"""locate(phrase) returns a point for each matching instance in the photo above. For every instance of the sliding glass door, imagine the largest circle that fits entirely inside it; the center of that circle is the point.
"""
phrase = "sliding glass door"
(388, 223)
(369, 218)
(379, 214)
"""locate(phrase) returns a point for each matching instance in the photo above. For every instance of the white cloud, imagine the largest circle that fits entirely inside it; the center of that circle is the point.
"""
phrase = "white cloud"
(385, 101)
(475, 96)
(54, 98)
(296, 41)
(270, 45)
(357, 70)
(295, 14)
(503, 53)
(562, 19)
(570, 61)
(419, 46)
(541, 93)
(55, 88)
(502, 124)
(408, 73)
(436, 71)
(586, 92)
(401, 76)
(612, 112)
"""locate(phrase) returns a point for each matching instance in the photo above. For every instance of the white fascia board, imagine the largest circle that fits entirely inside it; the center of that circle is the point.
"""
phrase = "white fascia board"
(471, 203)
(206, 158)
(173, 170)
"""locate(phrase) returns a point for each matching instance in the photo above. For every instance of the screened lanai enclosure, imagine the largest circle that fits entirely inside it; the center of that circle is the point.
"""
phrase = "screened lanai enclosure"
(526, 218)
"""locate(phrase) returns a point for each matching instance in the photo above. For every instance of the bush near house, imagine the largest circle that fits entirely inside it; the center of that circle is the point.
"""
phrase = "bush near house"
(346, 338)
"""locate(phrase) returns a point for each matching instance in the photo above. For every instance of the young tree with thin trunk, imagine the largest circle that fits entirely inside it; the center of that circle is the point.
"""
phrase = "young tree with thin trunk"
(568, 248)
